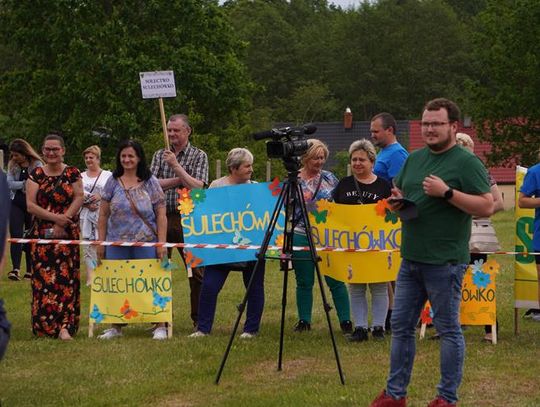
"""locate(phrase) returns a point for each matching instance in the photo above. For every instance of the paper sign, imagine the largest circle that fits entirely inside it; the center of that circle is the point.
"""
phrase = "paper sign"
(131, 291)
(236, 214)
(157, 84)
(479, 294)
(373, 227)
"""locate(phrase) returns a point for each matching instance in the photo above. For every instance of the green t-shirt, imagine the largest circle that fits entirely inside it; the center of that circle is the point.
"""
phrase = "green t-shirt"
(440, 234)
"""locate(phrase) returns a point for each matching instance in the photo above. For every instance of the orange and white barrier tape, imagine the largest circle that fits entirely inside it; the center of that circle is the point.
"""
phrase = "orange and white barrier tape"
(218, 246)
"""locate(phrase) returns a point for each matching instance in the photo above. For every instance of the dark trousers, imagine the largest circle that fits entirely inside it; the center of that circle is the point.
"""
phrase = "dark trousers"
(176, 235)
(4, 330)
(213, 281)
(19, 220)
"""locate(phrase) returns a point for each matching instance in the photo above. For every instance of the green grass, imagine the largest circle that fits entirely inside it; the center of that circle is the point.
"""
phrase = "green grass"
(136, 371)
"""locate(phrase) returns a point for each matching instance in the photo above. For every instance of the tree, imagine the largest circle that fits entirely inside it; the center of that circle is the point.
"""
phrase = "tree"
(504, 96)
(77, 63)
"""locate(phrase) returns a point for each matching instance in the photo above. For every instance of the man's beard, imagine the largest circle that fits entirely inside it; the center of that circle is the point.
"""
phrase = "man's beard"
(441, 145)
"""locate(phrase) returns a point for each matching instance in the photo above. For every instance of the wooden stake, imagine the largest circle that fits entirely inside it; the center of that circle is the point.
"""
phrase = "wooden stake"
(164, 123)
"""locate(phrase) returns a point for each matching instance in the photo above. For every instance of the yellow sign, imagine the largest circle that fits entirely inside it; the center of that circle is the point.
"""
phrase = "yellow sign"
(479, 294)
(526, 278)
(131, 291)
(372, 227)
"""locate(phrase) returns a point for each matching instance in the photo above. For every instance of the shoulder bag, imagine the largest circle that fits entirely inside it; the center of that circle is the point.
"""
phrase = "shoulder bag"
(135, 210)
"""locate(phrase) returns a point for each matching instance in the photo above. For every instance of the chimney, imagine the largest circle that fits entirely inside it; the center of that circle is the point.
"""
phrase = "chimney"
(347, 118)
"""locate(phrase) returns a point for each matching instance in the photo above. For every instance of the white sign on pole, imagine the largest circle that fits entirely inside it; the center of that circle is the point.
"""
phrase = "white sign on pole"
(159, 84)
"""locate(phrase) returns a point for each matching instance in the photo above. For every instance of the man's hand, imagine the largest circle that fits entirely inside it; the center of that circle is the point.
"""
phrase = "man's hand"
(396, 194)
(434, 186)
(170, 159)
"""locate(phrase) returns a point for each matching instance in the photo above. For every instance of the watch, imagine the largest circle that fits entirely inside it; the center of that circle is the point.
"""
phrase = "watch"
(448, 194)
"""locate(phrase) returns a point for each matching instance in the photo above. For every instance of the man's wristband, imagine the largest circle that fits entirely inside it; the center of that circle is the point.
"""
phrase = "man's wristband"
(448, 194)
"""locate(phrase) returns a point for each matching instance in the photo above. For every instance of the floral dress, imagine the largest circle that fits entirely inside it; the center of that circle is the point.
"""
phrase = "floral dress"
(55, 268)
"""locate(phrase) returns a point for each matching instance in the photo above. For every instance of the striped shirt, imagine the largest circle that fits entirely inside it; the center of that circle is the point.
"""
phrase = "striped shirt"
(192, 159)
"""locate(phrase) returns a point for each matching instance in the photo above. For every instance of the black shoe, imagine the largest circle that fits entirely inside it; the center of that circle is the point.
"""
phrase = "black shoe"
(346, 327)
(387, 325)
(302, 326)
(378, 333)
(359, 335)
(14, 275)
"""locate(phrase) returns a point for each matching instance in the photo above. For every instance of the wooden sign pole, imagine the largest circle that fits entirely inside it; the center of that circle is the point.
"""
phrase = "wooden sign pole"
(164, 123)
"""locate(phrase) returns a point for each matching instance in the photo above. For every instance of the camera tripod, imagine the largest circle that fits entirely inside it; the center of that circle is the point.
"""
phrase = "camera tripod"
(291, 198)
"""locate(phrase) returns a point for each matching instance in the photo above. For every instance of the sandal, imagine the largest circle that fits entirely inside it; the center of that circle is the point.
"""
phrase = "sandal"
(14, 275)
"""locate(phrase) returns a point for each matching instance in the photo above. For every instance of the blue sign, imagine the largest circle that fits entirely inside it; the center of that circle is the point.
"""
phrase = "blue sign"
(236, 214)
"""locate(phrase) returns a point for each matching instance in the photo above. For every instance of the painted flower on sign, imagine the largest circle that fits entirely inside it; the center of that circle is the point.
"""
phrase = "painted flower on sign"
(96, 314)
(491, 267)
(198, 195)
(186, 207)
(481, 279)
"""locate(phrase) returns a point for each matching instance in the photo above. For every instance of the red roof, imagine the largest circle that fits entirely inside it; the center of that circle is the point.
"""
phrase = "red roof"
(503, 175)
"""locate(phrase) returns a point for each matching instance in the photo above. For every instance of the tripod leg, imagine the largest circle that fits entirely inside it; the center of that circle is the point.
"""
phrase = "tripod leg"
(260, 257)
(315, 258)
(282, 328)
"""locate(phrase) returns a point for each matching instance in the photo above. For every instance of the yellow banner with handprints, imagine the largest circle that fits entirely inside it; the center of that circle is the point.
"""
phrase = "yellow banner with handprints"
(372, 227)
(479, 294)
(526, 279)
(131, 291)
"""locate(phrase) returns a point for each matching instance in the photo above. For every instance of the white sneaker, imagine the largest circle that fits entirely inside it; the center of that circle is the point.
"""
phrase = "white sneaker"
(536, 317)
(160, 333)
(197, 334)
(110, 333)
(248, 335)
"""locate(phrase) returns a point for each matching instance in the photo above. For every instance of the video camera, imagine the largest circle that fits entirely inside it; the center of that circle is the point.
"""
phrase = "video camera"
(287, 142)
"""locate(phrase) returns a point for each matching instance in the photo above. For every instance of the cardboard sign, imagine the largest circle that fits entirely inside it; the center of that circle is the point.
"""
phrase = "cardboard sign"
(372, 227)
(236, 214)
(131, 291)
(479, 294)
(159, 84)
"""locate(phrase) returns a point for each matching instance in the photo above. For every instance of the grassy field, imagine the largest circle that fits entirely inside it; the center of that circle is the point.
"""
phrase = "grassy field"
(137, 371)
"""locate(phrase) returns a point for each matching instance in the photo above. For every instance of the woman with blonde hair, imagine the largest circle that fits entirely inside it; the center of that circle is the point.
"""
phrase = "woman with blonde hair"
(316, 184)
(94, 179)
(23, 160)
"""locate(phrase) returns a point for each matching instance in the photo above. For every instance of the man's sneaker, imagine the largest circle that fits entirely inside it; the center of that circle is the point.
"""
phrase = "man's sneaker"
(248, 335)
(197, 334)
(440, 402)
(531, 312)
(27, 276)
(302, 326)
(346, 327)
(384, 400)
(378, 333)
(14, 275)
(359, 335)
(110, 333)
(160, 333)
(536, 317)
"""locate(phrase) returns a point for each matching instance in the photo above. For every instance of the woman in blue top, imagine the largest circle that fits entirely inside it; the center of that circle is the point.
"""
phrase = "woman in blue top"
(132, 210)
(316, 184)
(23, 160)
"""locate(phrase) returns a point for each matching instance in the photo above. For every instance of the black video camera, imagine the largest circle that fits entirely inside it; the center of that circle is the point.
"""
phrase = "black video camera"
(287, 142)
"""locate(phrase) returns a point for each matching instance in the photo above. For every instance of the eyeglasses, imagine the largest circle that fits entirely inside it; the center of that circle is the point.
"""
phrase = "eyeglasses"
(435, 125)
(51, 149)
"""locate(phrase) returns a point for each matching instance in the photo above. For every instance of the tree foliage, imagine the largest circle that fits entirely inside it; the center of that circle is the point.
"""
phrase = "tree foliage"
(78, 64)
(505, 97)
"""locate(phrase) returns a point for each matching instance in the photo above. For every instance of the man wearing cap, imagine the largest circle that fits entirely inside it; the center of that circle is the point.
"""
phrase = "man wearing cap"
(182, 166)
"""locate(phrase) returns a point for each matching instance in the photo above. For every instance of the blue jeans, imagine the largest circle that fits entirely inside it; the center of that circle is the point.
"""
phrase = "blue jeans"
(441, 285)
(129, 253)
(213, 280)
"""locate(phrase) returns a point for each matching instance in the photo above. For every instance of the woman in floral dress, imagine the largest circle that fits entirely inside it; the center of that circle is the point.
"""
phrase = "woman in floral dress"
(54, 196)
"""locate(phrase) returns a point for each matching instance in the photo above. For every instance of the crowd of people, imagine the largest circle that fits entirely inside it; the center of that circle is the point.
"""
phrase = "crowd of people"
(137, 202)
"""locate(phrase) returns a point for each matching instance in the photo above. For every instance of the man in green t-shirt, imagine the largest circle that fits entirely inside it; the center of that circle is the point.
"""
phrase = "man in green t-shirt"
(448, 186)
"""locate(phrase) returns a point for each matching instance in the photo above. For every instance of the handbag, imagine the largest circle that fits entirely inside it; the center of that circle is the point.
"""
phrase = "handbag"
(483, 237)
